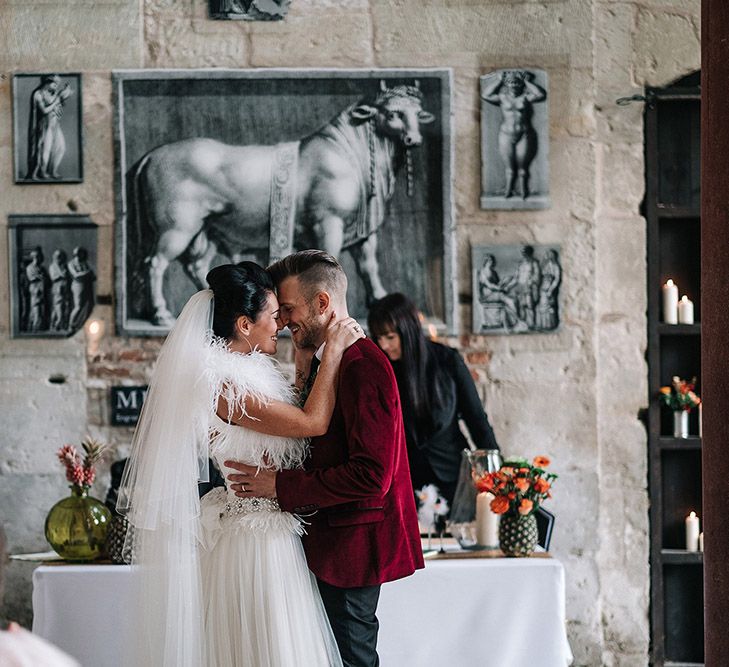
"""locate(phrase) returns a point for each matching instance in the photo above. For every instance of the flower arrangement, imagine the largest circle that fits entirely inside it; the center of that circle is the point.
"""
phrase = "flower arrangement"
(680, 395)
(518, 486)
(81, 472)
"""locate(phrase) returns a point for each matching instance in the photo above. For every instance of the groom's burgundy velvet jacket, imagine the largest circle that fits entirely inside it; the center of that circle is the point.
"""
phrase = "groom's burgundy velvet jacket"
(364, 528)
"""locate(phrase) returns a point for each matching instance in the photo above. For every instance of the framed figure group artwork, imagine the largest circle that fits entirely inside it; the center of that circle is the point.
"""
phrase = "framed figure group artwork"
(514, 140)
(216, 166)
(53, 260)
(249, 10)
(516, 288)
(47, 128)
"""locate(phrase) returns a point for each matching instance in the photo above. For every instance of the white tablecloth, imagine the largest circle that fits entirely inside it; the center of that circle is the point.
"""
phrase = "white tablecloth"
(455, 613)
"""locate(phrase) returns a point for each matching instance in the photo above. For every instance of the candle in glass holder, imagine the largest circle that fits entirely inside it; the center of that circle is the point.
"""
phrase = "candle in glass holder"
(692, 532)
(670, 302)
(487, 523)
(685, 311)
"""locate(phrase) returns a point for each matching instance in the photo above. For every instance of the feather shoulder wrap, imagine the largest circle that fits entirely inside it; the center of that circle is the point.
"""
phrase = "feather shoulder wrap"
(241, 379)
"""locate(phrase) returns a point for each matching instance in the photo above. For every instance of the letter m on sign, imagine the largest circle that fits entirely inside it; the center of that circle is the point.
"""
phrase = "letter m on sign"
(126, 404)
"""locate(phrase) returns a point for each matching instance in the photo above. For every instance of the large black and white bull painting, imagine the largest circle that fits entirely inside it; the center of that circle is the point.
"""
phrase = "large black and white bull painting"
(200, 200)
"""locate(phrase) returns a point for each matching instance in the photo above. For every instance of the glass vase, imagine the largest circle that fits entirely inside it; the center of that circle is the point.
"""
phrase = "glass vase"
(518, 534)
(76, 526)
(680, 424)
(474, 464)
(484, 461)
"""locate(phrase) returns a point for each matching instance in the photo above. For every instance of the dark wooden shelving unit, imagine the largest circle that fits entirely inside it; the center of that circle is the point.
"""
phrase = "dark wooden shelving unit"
(683, 444)
(679, 329)
(672, 211)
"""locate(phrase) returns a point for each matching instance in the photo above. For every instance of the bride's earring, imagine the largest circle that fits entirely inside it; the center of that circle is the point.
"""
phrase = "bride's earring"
(250, 347)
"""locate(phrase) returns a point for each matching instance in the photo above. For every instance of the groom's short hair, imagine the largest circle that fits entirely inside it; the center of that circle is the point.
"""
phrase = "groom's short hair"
(316, 270)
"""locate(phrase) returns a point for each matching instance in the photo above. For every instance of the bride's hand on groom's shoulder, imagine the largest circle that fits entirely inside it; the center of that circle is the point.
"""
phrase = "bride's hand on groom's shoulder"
(343, 333)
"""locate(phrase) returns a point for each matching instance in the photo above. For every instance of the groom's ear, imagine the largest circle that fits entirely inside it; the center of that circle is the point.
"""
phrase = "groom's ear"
(322, 301)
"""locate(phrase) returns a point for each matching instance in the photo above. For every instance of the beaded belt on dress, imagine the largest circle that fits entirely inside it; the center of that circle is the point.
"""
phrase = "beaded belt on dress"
(240, 506)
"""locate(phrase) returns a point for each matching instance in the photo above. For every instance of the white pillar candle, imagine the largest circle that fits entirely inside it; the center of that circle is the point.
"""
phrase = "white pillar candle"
(701, 541)
(685, 311)
(487, 523)
(670, 302)
(692, 532)
(701, 419)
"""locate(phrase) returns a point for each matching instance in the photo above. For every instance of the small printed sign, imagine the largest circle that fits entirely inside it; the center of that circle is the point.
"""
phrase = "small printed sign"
(126, 404)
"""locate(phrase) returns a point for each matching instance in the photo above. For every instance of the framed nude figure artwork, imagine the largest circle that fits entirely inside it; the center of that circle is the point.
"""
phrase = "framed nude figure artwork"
(515, 140)
(47, 129)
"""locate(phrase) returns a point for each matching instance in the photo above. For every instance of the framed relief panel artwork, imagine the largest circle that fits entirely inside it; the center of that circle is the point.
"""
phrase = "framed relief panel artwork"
(248, 10)
(516, 289)
(47, 128)
(216, 166)
(514, 140)
(53, 264)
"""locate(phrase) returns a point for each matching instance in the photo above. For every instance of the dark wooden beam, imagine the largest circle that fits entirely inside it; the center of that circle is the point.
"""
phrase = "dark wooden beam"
(715, 324)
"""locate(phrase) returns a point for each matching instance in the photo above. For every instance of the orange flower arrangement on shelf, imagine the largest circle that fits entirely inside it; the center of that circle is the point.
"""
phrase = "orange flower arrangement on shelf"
(519, 487)
(680, 395)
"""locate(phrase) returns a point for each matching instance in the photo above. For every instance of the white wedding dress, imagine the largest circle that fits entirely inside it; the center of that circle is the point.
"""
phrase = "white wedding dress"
(261, 604)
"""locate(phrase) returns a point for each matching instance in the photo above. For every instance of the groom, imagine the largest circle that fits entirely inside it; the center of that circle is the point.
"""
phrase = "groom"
(355, 491)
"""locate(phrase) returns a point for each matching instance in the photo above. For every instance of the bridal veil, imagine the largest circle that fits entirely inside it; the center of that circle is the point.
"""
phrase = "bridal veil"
(159, 496)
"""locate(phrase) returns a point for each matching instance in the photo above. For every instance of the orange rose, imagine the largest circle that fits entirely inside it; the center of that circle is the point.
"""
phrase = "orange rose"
(499, 505)
(511, 495)
(508, 471)
(541, 461)
(665, 390)
(485, 483)
(521, 483)
(525, 506)
(541, 485)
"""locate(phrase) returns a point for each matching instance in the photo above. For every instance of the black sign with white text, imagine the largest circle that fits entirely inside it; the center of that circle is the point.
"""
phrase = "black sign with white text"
(126, 404)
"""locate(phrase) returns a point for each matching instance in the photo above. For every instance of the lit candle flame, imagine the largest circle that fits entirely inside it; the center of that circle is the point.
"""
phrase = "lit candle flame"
(669, 283)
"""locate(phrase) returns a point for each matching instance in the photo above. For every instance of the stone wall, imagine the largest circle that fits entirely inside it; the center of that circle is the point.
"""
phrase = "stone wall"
(573, 395)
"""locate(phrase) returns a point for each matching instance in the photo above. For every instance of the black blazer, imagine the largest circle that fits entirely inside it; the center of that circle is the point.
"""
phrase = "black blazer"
(443, 444)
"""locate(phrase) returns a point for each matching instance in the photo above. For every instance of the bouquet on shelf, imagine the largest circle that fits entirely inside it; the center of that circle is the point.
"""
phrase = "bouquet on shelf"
(81, 472)
(680, 396)
(519, 487)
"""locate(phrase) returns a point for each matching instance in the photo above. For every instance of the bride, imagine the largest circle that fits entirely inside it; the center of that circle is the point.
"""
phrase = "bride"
(223, 582)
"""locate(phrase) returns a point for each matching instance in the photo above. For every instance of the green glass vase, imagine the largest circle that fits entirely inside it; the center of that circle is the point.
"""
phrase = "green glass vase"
(518, 534)
(76, 526)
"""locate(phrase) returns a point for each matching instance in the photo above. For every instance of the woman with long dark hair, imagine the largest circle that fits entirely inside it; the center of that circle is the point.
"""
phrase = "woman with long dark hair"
(436, 390)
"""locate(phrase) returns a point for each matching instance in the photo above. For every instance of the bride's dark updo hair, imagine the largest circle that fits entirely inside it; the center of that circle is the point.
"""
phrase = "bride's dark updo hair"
(239, 289)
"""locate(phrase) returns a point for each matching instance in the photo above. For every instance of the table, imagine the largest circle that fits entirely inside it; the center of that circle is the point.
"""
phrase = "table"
(455, 612)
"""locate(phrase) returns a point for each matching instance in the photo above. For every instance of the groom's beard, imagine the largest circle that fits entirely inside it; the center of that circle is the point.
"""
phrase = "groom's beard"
(310, 331)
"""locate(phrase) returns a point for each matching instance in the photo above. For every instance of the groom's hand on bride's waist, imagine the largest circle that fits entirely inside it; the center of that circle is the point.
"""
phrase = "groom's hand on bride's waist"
(250, 481)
